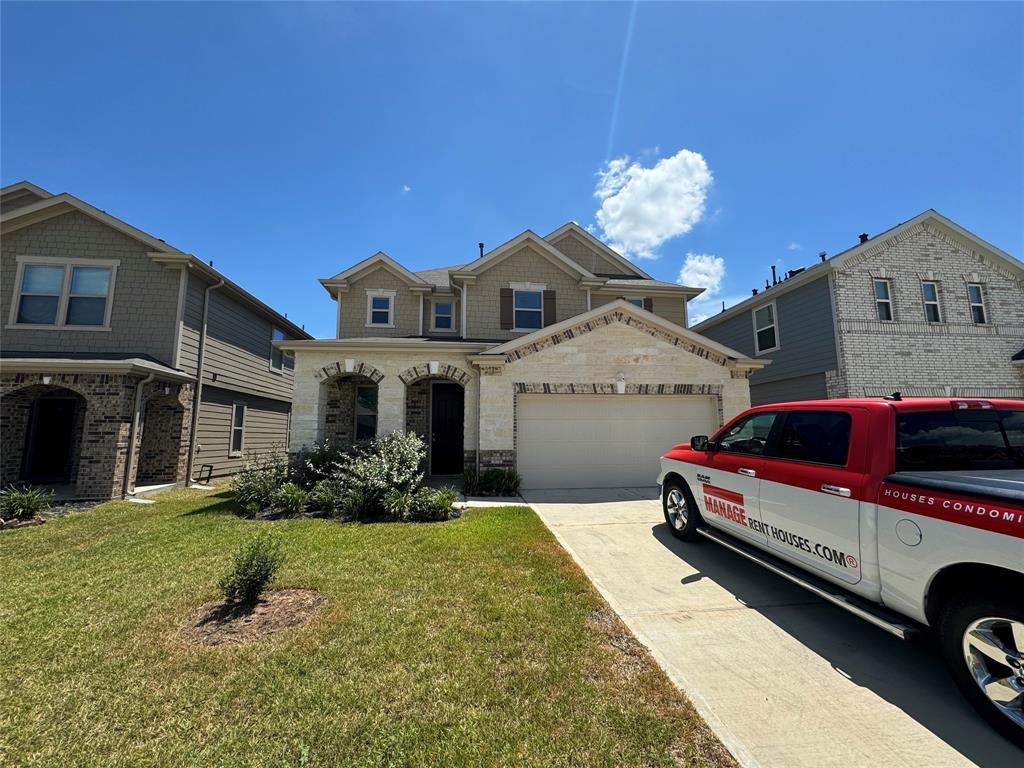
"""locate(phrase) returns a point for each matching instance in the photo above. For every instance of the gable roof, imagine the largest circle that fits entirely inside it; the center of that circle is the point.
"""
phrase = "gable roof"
(597, 245)
(821, 269)
(25, 187)
(622, 306)
(378, 259)
(508, 248)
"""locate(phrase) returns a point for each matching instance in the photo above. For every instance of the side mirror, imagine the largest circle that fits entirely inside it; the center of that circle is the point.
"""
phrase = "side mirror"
(699, 443)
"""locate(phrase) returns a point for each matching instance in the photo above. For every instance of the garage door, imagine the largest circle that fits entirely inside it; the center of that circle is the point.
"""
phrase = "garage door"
(604, 441)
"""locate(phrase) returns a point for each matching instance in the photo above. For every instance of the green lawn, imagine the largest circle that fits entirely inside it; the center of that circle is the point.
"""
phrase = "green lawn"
(471, 642)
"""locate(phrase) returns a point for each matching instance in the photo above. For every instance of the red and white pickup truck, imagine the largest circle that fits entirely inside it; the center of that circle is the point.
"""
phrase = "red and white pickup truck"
(907, 512)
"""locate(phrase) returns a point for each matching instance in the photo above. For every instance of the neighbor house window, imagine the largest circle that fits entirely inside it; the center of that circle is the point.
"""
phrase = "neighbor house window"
(380, 308)
(883, 300)
(930, 295)
(237, 429)
(276, 355)
(366, 412)
(766, 334)
(977, 301)
(638, 300)
(528, 307)
(443, 316)
(64, 294)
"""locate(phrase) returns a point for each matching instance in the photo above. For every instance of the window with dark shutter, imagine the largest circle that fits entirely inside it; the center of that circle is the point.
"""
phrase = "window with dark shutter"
(648, 305)
(550, 314)
(505, 313)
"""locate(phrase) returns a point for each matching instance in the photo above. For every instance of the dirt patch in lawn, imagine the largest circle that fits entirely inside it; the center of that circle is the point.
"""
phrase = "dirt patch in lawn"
(218, 623)
(632, 655)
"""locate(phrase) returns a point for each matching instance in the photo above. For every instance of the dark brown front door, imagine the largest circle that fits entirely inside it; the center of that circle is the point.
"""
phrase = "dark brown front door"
(48, 443)
(446, 409)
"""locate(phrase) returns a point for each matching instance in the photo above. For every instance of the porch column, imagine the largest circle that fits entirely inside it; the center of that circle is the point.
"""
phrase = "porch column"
(390, 405)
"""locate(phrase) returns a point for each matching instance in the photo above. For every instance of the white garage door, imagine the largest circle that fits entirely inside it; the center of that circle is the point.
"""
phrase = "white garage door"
(604, 441)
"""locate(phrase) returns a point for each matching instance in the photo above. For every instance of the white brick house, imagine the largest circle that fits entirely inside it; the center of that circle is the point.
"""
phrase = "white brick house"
(553, 355)
(925, 308)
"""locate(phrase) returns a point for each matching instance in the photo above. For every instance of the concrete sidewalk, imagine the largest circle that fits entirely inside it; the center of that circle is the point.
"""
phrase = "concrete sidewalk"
(782, 677)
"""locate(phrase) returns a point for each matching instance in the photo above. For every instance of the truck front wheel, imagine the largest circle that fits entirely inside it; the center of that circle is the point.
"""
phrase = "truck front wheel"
(982, 639)
(680, 510)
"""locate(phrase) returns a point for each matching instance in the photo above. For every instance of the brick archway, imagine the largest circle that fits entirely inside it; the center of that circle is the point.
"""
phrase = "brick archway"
(341, 368)
(444, 371)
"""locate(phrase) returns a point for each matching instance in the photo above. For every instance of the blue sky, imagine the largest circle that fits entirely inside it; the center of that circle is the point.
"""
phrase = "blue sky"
(288, 141)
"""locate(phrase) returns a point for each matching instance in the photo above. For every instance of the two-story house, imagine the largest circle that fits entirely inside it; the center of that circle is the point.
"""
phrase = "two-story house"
(553, 355)
(925, 308)
(125, 362)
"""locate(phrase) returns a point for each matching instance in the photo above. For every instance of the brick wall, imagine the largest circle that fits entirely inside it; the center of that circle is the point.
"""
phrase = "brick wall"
(164, 431)
(909, 354)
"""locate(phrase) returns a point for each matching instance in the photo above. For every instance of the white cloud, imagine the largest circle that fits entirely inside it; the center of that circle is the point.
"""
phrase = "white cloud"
(703, 270)
(642, 207)
(406, 189)
(793, 246)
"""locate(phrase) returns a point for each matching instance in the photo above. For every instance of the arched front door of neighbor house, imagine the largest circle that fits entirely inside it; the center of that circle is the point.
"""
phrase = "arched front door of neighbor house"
(48, 443)
(446, 414)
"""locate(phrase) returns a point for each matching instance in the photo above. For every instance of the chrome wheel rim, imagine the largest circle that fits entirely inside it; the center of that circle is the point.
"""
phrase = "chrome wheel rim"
(675, 506)
(994, 651)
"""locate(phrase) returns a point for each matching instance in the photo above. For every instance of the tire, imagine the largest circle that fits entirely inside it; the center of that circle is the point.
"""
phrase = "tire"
(680, 510)
(974, 628)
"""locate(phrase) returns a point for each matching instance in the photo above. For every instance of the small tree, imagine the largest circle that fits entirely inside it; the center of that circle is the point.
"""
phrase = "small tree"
(253, 567)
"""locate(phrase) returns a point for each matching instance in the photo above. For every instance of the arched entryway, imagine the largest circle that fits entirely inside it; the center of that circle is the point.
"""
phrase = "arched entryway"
(163, 450)
(435, 407)
(348, 403)
(42, 428)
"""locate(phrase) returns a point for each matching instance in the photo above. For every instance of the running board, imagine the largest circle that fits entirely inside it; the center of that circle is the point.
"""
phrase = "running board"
(863, 609)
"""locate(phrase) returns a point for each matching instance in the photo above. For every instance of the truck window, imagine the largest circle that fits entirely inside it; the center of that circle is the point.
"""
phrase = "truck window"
(819, 436)
(749, 435)
(959, 440)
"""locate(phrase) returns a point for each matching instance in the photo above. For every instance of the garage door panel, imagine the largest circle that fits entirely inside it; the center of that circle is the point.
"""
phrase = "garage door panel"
(602, 441)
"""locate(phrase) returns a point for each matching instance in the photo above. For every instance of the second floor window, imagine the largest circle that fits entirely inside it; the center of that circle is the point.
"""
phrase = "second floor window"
(443, 316)
(64, 295)
(977, 301)
(766, 336)
(930, 295)
(528, 306)
(380, 308)
(883, 300)
(276, 355)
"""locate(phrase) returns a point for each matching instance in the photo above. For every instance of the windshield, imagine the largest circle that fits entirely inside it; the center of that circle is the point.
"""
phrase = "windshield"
(959, 440)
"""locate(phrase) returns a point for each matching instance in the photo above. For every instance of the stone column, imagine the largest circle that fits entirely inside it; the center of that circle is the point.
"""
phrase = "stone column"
(390, 405)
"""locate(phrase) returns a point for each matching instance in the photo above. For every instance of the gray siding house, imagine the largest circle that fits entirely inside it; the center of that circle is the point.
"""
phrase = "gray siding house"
(925, 308)
(110, 339)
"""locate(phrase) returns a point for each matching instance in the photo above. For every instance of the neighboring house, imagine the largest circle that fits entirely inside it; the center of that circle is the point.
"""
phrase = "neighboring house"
(925, 308)
(553, 355)
(109, 336)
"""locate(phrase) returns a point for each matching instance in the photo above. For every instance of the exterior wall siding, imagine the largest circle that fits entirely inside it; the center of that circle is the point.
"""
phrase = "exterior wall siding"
(266, 430)
(406, 307)
(145, 298)
(587, 256)
(669, 308)
(811, 387)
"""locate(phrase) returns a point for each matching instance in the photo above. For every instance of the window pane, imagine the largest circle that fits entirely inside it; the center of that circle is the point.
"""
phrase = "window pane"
(381, 302)
(277, 334)
(930, 294)
(818, 436)
(527, 319)
(932, 312)
(527, 300)
(881, 290)
(978, 312)
(763, 316)
(239, 419)
(974, 292)
(236, 440)
(442, 309)
(884, 310)
(379, 318)
(366, 400)
(766, 339)
(748, 436)
(40, 310)
(276, 357)
(442, 321)
(39, 279)
(957, 441)
(366, 427)
(86, 311)
(90, 281)
(638, 302)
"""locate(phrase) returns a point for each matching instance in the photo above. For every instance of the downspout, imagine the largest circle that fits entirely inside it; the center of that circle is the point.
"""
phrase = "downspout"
(129, 483)
(197, 397)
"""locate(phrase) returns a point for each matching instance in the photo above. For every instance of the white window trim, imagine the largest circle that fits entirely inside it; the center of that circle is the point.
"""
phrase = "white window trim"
(270, 362)
(433, 315)
(877, 301)
(531, 288)
(775, 325)
(926, 302)
(231, 430)
(377, 293)
(65, 289)
(971, 305)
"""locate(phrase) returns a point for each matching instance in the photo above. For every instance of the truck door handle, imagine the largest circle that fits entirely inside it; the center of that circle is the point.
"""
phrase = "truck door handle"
(747, 472)
(836, 490)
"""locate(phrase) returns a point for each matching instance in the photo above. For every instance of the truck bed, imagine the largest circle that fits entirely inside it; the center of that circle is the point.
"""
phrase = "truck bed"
(1001, 484)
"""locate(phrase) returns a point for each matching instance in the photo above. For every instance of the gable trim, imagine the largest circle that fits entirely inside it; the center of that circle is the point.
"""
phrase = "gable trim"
(25, 186)
(379, 258)
(599, 246)
(510, 247)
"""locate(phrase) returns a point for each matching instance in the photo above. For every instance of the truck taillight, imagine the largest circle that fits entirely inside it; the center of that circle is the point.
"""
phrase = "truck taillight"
(972, 405)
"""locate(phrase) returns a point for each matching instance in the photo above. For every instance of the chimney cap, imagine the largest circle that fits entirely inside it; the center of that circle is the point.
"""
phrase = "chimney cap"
(822, 255)
(481, 246)
(863, 237)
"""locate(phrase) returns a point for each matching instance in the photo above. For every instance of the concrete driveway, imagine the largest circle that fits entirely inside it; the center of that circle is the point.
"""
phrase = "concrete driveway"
(783, 678)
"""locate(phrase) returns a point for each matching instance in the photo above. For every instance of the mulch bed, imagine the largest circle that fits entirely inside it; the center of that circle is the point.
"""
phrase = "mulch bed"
(218, 623)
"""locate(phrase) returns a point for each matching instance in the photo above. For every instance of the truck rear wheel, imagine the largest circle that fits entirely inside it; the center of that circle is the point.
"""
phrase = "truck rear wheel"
(982, 639)
(680, 510)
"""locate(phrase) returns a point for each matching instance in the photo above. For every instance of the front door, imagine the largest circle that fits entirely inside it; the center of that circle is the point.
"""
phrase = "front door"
(48, 443)
(446, 410)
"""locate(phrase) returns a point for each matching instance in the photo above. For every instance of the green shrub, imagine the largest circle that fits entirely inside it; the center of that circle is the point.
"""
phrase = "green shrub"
(291, 499)
(254, 566)
(23, 503)
(391, 463)
(430, 504)
(258, 482)
(328, 497)
(470, 482)
(491, 482)
(321, 462)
